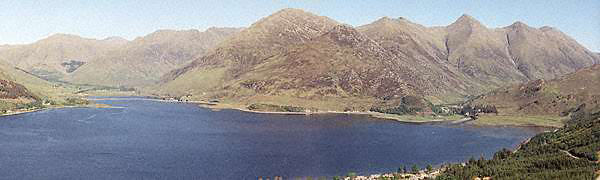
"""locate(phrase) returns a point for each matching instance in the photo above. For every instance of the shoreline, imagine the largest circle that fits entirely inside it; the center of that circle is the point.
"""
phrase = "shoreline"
(377, 115)
(57, 107)
(392, 117)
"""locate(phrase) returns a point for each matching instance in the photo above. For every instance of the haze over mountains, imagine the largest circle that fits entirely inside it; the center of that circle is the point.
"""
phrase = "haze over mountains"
(298, 58)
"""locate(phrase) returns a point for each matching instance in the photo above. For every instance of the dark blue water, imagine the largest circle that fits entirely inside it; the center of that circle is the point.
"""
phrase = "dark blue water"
(156, 140)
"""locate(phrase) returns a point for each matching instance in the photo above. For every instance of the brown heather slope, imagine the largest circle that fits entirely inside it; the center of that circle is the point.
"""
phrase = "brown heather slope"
(341, 65)
(557, 97)
(297, 58)
(144, 60)
(12, 90)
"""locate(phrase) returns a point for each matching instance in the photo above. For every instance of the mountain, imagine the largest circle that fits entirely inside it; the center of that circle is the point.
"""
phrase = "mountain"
(144, 60)
(472, 58)
(298, 58)
(561, 96)
(113, 61)
(56, 56)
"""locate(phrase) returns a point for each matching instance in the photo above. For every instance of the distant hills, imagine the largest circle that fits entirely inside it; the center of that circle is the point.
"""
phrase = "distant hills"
(112, 61)
(297, 58)
(45, 58)
(144, 60)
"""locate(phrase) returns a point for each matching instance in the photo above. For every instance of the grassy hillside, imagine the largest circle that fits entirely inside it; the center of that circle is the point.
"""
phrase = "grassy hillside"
(22, 91)
(546, 99)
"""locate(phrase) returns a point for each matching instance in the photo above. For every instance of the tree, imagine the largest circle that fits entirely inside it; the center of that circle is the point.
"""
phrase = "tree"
(429, 168)
(401, 169)
(352, 175)
(415, 168)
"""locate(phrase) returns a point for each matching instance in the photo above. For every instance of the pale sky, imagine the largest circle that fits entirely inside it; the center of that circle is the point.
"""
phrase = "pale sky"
(26, 21)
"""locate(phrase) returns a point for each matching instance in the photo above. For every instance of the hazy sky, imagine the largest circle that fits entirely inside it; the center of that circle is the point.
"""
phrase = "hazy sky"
(25, 21)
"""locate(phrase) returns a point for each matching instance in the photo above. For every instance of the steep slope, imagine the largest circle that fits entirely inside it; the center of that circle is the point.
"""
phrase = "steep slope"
(545, 53)
(144, 60)
(58, 55)
(480, 52)
(579, 90)
(426, 48)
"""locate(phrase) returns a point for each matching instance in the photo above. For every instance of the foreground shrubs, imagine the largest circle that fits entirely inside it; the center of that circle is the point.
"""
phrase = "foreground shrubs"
(569, 153)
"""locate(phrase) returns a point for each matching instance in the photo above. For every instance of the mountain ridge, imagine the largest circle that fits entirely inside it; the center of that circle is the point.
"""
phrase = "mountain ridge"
(461, 59)
(440, 64)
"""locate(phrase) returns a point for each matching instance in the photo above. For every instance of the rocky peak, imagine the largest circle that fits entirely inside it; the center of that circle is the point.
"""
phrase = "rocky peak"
(518, 25)
(60, 38)
(115, 40)
(284, 27)
(465, 21)
(291, 16)
(290, 12)
(384, 20)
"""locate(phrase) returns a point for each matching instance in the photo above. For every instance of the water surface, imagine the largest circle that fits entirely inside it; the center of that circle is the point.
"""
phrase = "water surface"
(148, 139)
